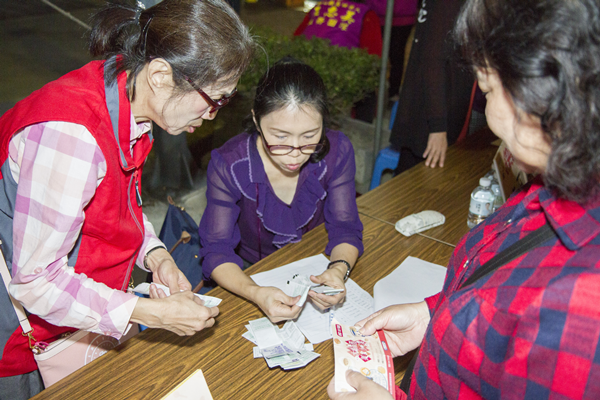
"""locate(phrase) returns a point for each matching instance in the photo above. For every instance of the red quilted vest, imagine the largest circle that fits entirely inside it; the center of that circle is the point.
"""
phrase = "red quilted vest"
(113, 230)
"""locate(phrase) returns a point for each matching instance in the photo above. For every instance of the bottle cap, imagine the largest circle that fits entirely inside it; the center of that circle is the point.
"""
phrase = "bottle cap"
(485, 182)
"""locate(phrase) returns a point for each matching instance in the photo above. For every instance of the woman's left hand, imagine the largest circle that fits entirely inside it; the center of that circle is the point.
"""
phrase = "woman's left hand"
(334, 278)
(165, 271)
(366, 389)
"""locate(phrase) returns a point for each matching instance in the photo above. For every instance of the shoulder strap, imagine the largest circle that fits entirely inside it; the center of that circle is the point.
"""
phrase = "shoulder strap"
(520, 247)
(517, 249)
(6, 278)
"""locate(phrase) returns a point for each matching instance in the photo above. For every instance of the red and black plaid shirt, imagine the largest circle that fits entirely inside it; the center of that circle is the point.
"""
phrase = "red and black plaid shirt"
(529, 330)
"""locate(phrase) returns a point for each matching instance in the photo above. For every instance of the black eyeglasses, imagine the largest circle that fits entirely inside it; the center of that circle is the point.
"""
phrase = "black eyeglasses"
(214, 105)
(282, 150)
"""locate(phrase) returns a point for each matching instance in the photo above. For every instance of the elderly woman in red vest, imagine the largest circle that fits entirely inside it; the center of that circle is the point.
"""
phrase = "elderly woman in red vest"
(72, 156)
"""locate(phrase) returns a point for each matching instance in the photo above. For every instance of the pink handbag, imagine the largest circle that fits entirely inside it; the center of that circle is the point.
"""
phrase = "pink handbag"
(69, 353)
(66, 355)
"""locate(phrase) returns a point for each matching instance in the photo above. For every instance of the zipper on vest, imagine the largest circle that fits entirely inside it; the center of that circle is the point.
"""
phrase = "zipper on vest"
(138, 195)
(133, 180)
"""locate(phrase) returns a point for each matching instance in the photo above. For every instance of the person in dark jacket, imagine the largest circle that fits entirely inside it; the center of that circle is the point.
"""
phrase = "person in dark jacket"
(434, 99)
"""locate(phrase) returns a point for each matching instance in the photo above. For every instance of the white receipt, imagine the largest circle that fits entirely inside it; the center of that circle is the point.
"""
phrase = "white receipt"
(144, 288)
(257, 354)
(283, 347)
(249, 336)
(291, 336)
(298, 285)
(268, 339)
(299, 360)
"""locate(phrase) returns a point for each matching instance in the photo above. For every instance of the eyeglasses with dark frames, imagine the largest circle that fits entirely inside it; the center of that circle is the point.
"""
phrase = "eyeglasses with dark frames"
(214, 105)
(282, 150)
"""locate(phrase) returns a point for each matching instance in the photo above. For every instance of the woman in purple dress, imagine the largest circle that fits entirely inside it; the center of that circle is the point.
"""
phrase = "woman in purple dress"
(281, 178)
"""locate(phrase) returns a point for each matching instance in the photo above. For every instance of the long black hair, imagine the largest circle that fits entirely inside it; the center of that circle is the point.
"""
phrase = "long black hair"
(547, 55)
(291, 82)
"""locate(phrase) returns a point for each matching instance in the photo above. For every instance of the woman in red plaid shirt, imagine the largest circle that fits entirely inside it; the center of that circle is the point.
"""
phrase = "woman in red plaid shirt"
(531, 329)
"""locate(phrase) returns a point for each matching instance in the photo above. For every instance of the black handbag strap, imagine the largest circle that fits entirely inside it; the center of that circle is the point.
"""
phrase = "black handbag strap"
(517, 249)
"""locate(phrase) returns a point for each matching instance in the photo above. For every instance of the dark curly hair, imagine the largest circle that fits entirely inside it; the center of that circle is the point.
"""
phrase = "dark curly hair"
(290, 81)
(547, 55)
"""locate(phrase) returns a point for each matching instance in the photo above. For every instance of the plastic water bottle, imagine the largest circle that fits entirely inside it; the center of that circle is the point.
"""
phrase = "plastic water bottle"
(498, 201)
(495, 186)
(482, 202)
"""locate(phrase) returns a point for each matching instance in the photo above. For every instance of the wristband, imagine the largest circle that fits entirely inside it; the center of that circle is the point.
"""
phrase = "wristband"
(148, 253)
(343, 262)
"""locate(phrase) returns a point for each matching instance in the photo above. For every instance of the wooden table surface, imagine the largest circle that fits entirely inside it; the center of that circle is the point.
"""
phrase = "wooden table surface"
(152, 363)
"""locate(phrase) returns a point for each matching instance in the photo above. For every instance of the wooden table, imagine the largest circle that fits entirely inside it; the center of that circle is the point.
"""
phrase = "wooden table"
(149, 365)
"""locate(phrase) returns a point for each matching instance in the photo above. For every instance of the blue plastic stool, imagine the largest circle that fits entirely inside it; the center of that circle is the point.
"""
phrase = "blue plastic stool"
(387, 158)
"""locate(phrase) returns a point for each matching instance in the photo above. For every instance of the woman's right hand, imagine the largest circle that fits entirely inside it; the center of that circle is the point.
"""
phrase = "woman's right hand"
(182, 313)
(404, 326)
(277, 305)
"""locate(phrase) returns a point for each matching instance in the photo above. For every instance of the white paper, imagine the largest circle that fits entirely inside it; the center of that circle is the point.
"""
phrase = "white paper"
(267, 338)
(309, 347)
(411, 282)
(315, 324)
(194, 387)
(297, 286)
(277, 361)
(358, 305)
(278, 277)
(144, 288)
(257, 354)
(291, 336)
(299, 360)
(249, 336)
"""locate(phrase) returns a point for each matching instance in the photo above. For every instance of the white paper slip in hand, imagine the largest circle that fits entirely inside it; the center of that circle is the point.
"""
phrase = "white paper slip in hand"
(419, 222)
(144, 288)
(299, 285)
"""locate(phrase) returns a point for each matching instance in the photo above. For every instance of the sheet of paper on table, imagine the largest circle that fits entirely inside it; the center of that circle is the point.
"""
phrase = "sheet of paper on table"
(314, 323)
(359, 304)
(194, 387)
(412, 282)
